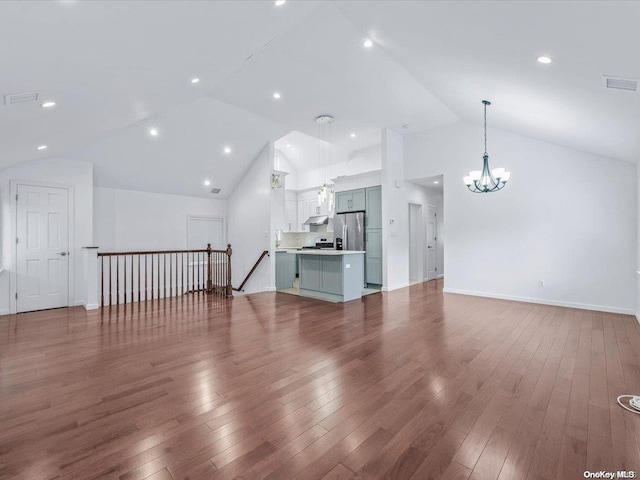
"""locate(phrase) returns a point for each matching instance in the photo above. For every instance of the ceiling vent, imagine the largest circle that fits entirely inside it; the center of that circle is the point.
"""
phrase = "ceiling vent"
(621, 83)
(15, 98)
(215, 190)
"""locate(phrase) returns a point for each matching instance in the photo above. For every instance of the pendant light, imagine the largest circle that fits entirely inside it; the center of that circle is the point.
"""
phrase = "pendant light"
(324, 194)
(487, 180)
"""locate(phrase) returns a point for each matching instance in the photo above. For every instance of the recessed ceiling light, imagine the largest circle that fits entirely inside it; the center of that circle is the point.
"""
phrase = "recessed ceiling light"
(207, 183)
(353, 135)
(367, 43)
(42, 147)
(545, 59)
(280, 2)
(436, 182)
(195, 80)
(153, 132)
(288, 146)
(48, 104)
(276, 95)
(227, 149)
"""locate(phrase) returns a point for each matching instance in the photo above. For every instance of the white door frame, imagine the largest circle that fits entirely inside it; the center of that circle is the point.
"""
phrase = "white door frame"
(423, 237)
(13, 209)
(191, 216)
(426, 242)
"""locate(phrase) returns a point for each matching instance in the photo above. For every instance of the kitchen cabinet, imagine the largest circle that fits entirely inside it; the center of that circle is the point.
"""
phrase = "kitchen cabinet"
(292, 216)
(351, 201)
(285, 270)
(374, 256)
(331, 275)
(374, 207)
(373, 235)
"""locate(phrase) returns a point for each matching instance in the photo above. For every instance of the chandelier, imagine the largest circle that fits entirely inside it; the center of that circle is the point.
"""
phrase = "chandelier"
(487, 180)
(324, 192)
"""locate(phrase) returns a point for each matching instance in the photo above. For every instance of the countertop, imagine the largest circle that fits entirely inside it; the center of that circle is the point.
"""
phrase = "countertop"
(318, 252)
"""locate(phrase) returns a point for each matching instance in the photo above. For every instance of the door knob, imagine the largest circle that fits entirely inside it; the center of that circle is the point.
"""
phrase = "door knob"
(64, 254)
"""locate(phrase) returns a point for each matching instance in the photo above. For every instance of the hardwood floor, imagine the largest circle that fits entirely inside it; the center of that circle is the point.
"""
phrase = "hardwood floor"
(407, 384)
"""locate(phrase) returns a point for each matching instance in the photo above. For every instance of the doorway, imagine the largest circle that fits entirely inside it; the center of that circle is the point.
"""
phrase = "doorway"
(416, 242)
(42, 247)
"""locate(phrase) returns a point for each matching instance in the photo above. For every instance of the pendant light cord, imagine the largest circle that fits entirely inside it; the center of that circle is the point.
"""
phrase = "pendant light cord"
(485, 128)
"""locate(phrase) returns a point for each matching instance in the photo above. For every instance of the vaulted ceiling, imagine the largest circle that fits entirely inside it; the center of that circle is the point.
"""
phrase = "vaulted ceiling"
(117, 69)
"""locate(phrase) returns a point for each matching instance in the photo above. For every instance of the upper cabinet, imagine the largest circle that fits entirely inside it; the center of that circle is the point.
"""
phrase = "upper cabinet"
(351, 201)
(374, 207)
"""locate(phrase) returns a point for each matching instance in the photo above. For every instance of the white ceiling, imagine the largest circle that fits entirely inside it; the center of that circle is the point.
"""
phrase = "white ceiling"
(116, 68)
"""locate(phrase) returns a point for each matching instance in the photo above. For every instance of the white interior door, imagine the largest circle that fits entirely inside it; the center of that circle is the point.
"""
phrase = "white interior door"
(432, 265)
(42, 248)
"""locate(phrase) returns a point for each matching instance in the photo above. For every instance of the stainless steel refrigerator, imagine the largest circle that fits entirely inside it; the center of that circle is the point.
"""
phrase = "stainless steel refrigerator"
(349, 233)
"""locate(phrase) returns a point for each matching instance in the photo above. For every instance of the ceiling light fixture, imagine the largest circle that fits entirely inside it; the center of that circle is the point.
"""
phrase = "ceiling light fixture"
(280, 2)
(353, 135)
(545, 60)
(276, 95)
(227, 149)
(486, 181)
(48, 104)
(368, 43)
(207, 183)
(42, 147)
(153, 132)
(288, 146)
(436, 182)
(195, 80)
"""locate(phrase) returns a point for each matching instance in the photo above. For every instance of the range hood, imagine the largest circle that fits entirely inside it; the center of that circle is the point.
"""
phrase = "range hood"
(317, 220)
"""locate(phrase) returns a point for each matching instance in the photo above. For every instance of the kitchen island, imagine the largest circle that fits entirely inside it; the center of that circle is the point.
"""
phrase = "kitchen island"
(335, 275)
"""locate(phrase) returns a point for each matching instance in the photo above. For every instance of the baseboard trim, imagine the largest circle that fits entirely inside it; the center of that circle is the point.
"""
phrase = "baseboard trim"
(638, 317)
(5, 311)
(440, 276)
(394, 287)
(87, 306)
(541, 301)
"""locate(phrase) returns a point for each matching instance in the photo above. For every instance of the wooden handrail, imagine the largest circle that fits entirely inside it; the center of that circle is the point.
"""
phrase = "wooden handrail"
(152, 252)
(246, 279)
(171, 273)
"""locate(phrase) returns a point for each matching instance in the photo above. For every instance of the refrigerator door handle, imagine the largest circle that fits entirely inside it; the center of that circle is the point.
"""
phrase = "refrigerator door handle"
(345, 242)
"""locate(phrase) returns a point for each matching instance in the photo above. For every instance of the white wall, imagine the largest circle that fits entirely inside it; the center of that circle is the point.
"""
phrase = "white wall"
(54, 171)
(130, 220)
(250, 229)
(566, 217)
(395, 214)
(638, 244)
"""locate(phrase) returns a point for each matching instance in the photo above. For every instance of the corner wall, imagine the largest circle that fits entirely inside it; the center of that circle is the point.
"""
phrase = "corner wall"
(565, 217)
(249, 221)
(395, 214)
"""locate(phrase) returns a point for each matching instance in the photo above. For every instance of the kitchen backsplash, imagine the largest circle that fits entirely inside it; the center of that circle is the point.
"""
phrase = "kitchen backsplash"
(303, 239)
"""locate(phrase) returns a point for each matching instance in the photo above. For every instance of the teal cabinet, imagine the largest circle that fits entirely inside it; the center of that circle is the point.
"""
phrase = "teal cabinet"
(335, 276)
(285, 270)
(332, 275)
(351, 201)
(343, 199)
(374, 207)
(374, 256)
(312, 268)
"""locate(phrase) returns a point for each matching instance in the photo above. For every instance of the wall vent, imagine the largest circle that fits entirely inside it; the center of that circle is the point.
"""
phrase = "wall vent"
(621, 83)
(14, 98)
(215, 190)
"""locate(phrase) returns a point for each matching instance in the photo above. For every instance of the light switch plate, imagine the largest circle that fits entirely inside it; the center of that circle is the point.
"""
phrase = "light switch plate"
(348, 265)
